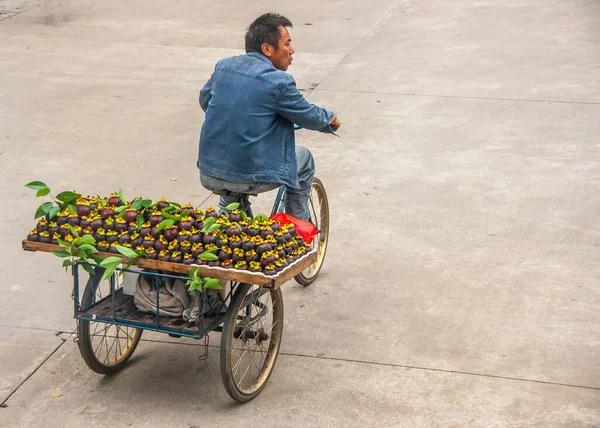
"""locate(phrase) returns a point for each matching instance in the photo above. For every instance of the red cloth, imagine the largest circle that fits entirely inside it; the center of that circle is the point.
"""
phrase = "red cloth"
(303, 228)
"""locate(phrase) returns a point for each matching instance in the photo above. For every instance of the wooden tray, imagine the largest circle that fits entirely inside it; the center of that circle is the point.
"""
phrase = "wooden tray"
(274, 281)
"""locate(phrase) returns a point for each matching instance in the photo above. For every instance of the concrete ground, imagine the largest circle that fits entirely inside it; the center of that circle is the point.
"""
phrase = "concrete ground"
(461, 282)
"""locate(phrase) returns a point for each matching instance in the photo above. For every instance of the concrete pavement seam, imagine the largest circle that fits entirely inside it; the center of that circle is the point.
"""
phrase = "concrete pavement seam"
(349, 360)
(25, 10)
(356, 45)
(408, 94)
(37, 368)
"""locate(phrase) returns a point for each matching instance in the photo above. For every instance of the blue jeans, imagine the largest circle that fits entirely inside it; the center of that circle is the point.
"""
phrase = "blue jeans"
(296, 203)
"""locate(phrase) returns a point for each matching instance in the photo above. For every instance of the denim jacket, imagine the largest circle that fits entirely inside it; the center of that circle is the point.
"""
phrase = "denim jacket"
(248, 132)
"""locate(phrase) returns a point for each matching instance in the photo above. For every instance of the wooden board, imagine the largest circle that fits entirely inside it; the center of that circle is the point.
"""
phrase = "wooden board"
(257, 278)
(125, 310)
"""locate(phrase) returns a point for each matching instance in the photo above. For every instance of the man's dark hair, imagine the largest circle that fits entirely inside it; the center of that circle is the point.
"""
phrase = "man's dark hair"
(265, 29)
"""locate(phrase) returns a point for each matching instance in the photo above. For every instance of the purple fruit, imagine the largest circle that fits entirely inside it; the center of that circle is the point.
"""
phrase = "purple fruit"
(265, 233)
(83, 210)
(263, 247)
(155, 219)
(248, 245)
(233, 231)
(96, 224)
(209, 239)
(120, 227)
(137, 241)
(114, 200)
(124, 239)
(107, 213)
(84, 223)
(34, 237)
(188, 260)
(186, 225)
(130, 216)
(171, 233)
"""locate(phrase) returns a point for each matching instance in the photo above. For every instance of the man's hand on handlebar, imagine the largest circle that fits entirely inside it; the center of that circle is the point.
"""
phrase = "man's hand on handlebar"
(335, 123)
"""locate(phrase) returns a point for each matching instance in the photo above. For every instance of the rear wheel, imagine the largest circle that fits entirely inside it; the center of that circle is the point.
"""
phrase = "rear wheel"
(105, 348)
(318, 206)
(250, 340)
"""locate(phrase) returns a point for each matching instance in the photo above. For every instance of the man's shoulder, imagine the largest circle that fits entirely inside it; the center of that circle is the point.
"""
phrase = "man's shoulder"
(255, 66)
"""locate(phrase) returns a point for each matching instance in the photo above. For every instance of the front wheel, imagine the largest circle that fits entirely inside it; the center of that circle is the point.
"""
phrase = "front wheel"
(105, 347)
(318, 206)
(250, 340)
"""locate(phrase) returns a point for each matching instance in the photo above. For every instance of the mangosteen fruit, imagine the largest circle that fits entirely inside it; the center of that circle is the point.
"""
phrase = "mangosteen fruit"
(225, 254)
(252, 256)
(114, 200)
(111, 236)
(185, 247)
(222, 240)
(233, 231)
(53, 228)
(136, 240)
(253, 230)
(44, 237)
(61, 219)
(109, 224)
(186, 223)
(227, 264)
(132, 228)
(130, 216)
(145, 229)
(33, 236)
(164, 256)
(210, 212)
(197, 249)
(214, 263)
(263, 247)
(248, 245)
(124, 238)
(161, 244)
(107, 213)
(209, 238)
(254, 266)
(148, 242)
(264, 232)
(151, 253)
(83, 222)
(96, 224)
(162, 204)
(155, 218)
(275, 225)
(235, 244)
(171, 233)
(188, 259)
(184, 235)
(235, 216)
(270, 270)
(83, 210)
(195, 238)
(267, 258)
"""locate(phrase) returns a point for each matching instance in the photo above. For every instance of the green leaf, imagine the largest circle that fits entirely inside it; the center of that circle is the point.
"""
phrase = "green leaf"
(175, 204)
(68, 197)
(89, 249)
(214, 228)
(169, 209)
(261, 217)
(146, 203)
(208, 223)
(42, 192)
(243, 215)
(73, 230)
(88, 239)
(61, 253)
(72, 208)
(208, 255)
(53, 212)
(120, 209)
(165, 223)
(185, 213)
(140, 220)
(36, 185)
(67, 263)
(212, 283)
(43, 209)
(120, 193)
(89, 269)
(232, 206)
(127, 252)
(64, 243)
(110, 264)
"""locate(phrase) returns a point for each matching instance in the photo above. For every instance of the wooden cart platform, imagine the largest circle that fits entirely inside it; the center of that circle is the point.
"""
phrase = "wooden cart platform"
(258, 278)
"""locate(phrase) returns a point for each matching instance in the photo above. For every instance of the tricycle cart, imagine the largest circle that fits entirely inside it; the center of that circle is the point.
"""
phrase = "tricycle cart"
(248, 313)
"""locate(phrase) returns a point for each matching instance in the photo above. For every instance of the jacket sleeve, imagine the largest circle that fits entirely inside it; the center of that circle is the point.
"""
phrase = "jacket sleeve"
(206, 92)
(294, 107)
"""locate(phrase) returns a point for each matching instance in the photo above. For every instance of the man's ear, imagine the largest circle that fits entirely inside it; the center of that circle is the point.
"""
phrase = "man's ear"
(267, 50)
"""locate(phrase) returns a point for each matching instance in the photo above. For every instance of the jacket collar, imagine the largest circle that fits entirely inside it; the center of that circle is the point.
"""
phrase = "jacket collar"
(260, 56)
